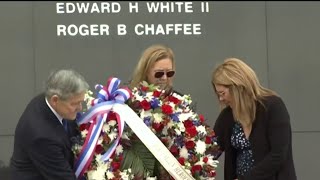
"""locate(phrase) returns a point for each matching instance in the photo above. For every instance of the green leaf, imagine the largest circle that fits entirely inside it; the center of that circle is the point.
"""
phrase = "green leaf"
(139, 159)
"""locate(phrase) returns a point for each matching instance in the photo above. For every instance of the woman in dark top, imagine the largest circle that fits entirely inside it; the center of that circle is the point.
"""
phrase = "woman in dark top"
(253, 127)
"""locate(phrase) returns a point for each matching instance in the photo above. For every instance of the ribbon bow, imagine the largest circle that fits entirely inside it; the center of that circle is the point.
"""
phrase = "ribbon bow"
(106, 98)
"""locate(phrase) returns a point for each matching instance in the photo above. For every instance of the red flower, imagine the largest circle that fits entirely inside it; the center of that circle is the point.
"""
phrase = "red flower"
(157, 126)
(115, 165)
(99, 149)
(208, 140)
(156, 93)
(164, 141)
(144, 88)
(84, 126)
(181, 160)
(174, 150)
(196, 168)
(201, 118)
(192, 131)
(112, 116)
(205, 159)
(145, 105)
(190, 145)
(212, 173)
(167, 109)
(187, 124)
(174, 100)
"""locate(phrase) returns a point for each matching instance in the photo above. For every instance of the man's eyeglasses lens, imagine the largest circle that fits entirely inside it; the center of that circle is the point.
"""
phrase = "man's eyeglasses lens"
(159, 74)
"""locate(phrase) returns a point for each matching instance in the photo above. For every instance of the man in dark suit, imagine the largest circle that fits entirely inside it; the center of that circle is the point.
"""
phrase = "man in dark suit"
(42, 147)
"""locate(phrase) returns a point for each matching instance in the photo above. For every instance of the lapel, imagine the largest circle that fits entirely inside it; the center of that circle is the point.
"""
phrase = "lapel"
(52, 120)
(64, 136)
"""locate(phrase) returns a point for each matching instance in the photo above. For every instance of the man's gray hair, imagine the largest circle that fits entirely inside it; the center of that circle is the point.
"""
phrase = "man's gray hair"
(65, 83)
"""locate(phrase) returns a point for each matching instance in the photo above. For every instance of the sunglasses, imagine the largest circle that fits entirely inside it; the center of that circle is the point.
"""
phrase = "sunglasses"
(159, 74)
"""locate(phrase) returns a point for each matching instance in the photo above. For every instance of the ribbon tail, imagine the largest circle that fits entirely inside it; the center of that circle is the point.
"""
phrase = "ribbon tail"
(152, 142)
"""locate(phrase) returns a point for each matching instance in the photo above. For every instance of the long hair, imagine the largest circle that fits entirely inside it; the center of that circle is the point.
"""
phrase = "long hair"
(244, 87)
(151, 55)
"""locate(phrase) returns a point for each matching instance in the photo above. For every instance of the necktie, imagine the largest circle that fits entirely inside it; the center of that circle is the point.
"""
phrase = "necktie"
(65, 124)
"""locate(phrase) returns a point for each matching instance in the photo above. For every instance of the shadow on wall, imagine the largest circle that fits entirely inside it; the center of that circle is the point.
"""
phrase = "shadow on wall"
(4, 171)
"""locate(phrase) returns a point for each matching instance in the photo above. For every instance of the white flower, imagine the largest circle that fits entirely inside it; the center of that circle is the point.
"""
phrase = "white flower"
(165, 130)
(98, 158)
(181, 127)
(184, 152)
(211, 162)
(125, 136)
(100, 140)
(157, 117)
(112, 122)
(98, 174)
(173, 105)
(184, 116)
(144, 114)
(149, 96)
(201, 129)
(136, 95)
(178, 132)
(110, 175)
(119, 149)
(200, 162)
(84, 133)
(187, 99)
(113, 135)
(106, 128)
(88, 99)
(151, 178)
(125, 175)
(170, 124)
(178, 110)
(177, 96)
(200, 147)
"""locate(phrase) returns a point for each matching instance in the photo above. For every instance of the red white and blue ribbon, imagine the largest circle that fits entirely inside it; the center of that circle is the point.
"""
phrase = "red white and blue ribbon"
(107, 97)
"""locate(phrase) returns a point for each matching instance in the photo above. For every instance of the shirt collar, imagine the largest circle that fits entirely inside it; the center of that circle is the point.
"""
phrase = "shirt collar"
(54, 112)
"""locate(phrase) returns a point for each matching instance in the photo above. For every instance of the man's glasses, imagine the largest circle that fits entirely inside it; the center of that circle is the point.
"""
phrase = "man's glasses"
(159, 74)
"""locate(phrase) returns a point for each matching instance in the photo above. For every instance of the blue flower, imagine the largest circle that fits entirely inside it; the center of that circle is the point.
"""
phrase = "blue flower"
(175, 117)
(179, 141)
(147, 121)
(197, 123)
(155, 103)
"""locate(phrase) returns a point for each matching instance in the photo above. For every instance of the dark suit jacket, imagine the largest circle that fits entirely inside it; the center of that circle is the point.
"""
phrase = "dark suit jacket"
(42, 149)
(270, 141)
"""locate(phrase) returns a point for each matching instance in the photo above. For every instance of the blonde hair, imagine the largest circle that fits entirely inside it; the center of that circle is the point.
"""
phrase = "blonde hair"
(244, 87)
(148, 58)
